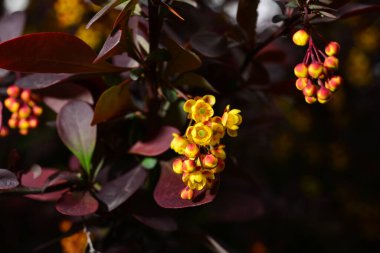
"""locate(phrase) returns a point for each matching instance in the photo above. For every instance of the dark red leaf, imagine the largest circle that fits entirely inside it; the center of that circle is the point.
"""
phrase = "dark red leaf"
(51, 52)
(169, 187)
(59, 95)
(156, 145)
(8, 179)
(352, 9)
(76, 132)
(39, 178)
(209, 44)
(116, 192)
(39, 81)
(77, 204)
(112, 46)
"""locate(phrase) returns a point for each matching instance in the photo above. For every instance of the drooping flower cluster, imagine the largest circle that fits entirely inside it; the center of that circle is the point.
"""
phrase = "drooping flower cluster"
(23, 106)
(316, 74)
(202, 153)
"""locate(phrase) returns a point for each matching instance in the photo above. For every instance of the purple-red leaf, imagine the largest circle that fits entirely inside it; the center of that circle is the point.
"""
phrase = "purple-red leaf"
(103, 11)
(352, 9)
(59, 95)
(39, 178)
(77, 204)
(111, 47)
(8, 179)
(114, 102)
(116, 192)
(76, 132)
(209, 44)
(156, 145)
(169, 187)
(39, 81)
(51, 52)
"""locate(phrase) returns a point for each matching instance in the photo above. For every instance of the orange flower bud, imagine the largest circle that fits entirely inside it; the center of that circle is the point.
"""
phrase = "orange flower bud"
(13, 91)
(334, 83)
(301, 38)
(219, 167)
(25, 95)
(178, 143)
(332, 48)
(191, 151)
(188, 166)
(4, 131)
(177, 166)
(24, 112)
(315, 70)
(37, 110)
(13, 123)
(23, 124)
(331, 62)
(33, 122)
(323, 94)
(310, 90)
(187, 193)
(8, 102)
(219, 152)
(310, 100)
(23, 131)
(210, 161)
(300, 70)
(301, 83)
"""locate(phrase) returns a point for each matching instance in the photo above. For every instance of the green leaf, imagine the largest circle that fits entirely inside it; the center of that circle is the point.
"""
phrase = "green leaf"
(75, 130)
(149, 163)
(182, 60)
(114, 102)
(191, 80)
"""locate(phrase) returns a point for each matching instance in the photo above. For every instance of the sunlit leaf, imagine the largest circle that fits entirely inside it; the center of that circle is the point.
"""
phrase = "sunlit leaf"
(157, 145)
(51, 52)
(77, 203)
(76, 132)
(114, 102)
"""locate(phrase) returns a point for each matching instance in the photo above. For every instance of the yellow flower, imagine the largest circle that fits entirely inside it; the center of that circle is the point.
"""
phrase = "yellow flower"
(178, 144)
(200, 108)
(199, 180)
(218, 132)
(69, 12)
(201, 134)
(231, 119)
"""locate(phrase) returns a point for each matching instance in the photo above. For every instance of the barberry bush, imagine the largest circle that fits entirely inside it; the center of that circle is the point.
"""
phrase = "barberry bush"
(155, 125)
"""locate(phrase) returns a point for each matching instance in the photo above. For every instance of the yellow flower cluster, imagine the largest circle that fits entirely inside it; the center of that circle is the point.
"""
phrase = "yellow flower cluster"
(202, 153)
(69, 12)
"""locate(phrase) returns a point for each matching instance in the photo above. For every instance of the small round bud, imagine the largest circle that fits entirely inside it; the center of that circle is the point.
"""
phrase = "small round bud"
(301, 38)
(26, 95)
(210, 161)
(315, 70)
(8, 102)
(188, 166)
(187, 193)
(310, 90)
(178, 143)
(323, 94)
(23, 131)
(301, 83)
(177, 166)
(331, 63)
(310, 100)
(12, 123)
(334, 83)
(4, 131)
(24, 112)
(191, 151)
(23, 124)
(332, 48)
(13, 91)
(33, 122)
(219, 152)
(219, 167)
(37, 110)
(300, 70)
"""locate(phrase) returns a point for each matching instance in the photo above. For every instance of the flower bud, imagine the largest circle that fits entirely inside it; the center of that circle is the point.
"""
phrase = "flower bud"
(26, 95)
(323, 94)
(4, 131)
(23, 124)
(188, 166)
(13, 122)
(332, 48)
(210, 161)
(187, 193)
(13, 91)
(24, 112)
(177, 166)
(310, 100)
(37, 110)
(23, 131)
(33, 122)
(315, 70)
(178, 144)
(301, 38)
(309, 90)
(301, 83)
(331, 62)
(219, 167)
(300, 70)
(191, 151)
(219, 152)
(334, 83)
